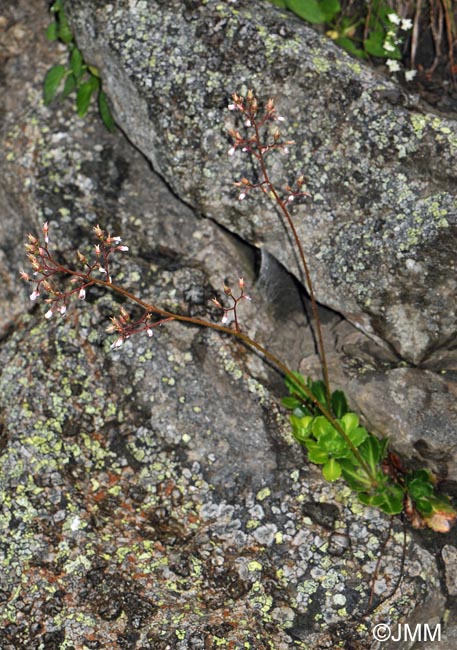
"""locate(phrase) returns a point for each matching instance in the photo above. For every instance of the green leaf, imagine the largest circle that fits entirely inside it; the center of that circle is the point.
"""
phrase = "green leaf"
(84, 95)
(418, 488)
(331, 471)
(315, 453)
(77, 63)
(393, 500)
(51, 32)
(69, 86)
(319, 392)
(349, 45)
(339, 403)
(424, 506)
(301, 427)
(334, 444)
(295, 387)
(64, 31)
(349, 422)
(314, 11)
(94, 71)
(355, 477)
(357, 436)
(291, 403)
(322, 426)
(370, 450)
(52, 82)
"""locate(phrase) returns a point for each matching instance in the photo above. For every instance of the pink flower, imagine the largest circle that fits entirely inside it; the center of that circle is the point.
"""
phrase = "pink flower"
(122, 248)
(34, 295)
(63, 309)
(82, 294)
(231, 151)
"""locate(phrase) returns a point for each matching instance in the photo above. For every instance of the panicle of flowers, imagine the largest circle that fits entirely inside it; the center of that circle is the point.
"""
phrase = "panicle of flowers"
(233, 308)
(258, 142)
(125, 327)
(46, 267)
(254, 119)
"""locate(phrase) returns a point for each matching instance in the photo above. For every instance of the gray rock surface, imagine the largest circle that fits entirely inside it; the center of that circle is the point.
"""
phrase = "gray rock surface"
(380, 232)
(152, 497)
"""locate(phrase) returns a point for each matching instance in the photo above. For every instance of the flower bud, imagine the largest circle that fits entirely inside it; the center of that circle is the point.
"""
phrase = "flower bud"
(81, 258)
(99, 232)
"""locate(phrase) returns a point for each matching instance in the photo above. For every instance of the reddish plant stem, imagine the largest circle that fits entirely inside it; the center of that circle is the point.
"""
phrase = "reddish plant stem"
(280, 366)
(286, 213)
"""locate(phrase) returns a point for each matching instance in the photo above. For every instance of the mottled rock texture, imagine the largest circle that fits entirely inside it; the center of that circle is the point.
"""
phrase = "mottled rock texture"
(380, 231)
(152, 498)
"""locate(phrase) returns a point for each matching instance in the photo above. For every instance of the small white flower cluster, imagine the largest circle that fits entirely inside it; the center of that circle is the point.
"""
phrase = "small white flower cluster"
(392, 41)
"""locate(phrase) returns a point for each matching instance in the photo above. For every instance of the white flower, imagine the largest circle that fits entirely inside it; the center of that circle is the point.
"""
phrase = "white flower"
(122, 248)
(410, 74)
(48, 314)
(101, 269)
(232, 107)
(406, 24)
(248, 123)
(388, 46)
(149, 332)
(242, 196)
(394, 18)
(393, 65)
(63, 309)
(118, 343)
(82, 294)
(224, 319)
(34, 295)
(231, 151)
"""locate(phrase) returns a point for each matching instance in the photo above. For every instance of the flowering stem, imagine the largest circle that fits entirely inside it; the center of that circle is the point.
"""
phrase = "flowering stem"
(304, 264)
(238, 334)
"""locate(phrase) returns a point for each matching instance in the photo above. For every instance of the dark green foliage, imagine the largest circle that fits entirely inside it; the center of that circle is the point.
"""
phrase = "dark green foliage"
(61, 81)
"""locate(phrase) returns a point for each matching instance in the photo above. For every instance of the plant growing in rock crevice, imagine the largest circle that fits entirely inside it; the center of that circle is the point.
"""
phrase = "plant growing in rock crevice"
(77, 76)
(321, 419)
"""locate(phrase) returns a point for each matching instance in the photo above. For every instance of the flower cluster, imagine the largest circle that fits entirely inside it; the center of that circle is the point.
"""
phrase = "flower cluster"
(46, 269)
(232, 311)
(259, 142)
(126, 327)
(393, 41)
